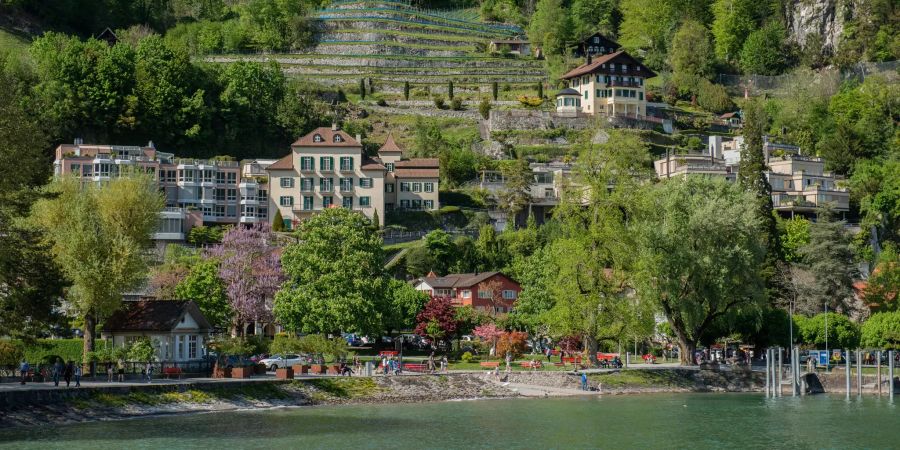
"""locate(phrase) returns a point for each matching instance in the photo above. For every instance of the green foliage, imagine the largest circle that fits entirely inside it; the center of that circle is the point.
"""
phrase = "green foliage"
(11, 353)
(239, 346)
(714, 98)
(456, 104)
(406, 90)
(68, 349)
(691, 57)
(203, 235)
(278, 221)
(450, 89)
(466, 357)
(589, 16)
(842, 333)
(404, 303)
(733, 23)
(204, 286)
(484, 108)
(793, 234)
(764, 51)
(550, 26)
(334, 276)
(882, 292)
(141, 350)
(829, 260)
(438, 102)
(494, 91)
(648, 26)
(882, 330)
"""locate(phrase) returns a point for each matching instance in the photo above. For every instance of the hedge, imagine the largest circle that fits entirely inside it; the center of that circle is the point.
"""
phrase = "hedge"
(67, 349)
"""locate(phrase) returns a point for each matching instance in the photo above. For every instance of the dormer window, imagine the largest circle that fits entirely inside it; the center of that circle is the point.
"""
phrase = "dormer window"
(337, 138)
(596, 40)
(318, 138)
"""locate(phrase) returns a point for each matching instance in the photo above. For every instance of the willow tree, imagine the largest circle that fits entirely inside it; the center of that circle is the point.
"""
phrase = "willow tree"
(99, 237)
(698, 249)
(591, 296)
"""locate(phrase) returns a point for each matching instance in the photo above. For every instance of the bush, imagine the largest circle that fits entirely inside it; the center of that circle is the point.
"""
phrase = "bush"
(512, 342)
(714, 98)
(842, 333)
(141, 350)
(456, 104)
(68, 349)
(484, 108)
(467, 357)
(11, 353)
(530, 102)
(494, 90)
(381, 102)
(406, 90)
(439, 102)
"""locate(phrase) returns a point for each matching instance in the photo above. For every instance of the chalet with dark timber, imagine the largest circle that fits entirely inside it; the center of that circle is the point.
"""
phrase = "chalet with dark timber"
(484, 291)
(611, 85)
(595, 45)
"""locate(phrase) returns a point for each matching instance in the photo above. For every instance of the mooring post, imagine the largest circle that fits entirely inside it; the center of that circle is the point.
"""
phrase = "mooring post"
(627, 357)
(796, 388)
(779, 377)
(859, 372)
(768, 371)
(891, 373)
(878, 372)
(847, 371)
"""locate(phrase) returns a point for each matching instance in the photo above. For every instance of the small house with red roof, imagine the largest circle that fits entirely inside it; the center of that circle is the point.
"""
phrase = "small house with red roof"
(484, 291)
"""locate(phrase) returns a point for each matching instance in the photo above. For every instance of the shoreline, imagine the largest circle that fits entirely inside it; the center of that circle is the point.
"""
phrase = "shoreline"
(54, 407)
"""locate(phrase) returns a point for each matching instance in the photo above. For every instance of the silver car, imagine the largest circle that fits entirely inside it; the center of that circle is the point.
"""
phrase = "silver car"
(275, 361)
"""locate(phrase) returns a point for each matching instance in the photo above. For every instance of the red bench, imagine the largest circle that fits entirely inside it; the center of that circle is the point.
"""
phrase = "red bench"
(573, 360)
(170, 371)
(531, 364)
(415, 367)
(607, 356)
(388, 353)
(490, 364)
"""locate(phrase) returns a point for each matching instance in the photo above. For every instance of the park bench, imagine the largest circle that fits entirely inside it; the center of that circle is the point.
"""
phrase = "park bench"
(490, 364)
(572, 360)
(531, 364)
(415, 367)
(172, 371)
(388, 353)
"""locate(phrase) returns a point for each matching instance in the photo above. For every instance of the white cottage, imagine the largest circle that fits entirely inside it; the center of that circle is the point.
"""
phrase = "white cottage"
(177, 328)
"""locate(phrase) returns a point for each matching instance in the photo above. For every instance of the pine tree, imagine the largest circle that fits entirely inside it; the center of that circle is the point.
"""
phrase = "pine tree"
(494, 90)
(371, 86)
(450, 89)
(406, 90)
(362, 88)
(540, 90)
(278, 221)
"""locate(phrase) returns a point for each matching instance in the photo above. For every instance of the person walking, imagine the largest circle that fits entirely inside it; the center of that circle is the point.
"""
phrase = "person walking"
(431, 362)
(508, 362)
(549, 353)
(68, 372)
(57, 371)
(77, 375)
(24, 368)
(444, 364)
(384, 364)
(148, 371)
(120, 368)
(109, 372)
(584, 381)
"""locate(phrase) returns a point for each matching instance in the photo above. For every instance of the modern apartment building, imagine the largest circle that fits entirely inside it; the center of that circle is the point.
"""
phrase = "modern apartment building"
(611, 84)
(196, 191)
(327, 168)
(547, 184)
(799, 183)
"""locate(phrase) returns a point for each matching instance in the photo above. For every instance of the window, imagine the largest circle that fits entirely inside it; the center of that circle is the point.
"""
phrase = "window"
(318, 138)
(346, 184)
(640, 95)
(624, 67)
(596, 40)
(388, 187)
(348, 202)
(208, 176)
(466, 293)
(404, 186)
(263, 195)
(262, 212)
(219, 211)
(585, 94)
(484, 294)
(307, 203)
(365, 182)
(306, 163)
(337, 138)
(404, 204)
(287, 182)
(76, 169)
(220, 195)
(389, 167)
(429, 204)
(417, 204)
(231, 195)
(346, 163)
(327, 201)
(286, 200)
(600, 93)
(599, 79)
(365, 201)
(612, 66)
(429, 187)
(509, 294)
(326, 163)
(326, 184)
(306, 184)
(192, 347)
(417, 187)
(220, 177)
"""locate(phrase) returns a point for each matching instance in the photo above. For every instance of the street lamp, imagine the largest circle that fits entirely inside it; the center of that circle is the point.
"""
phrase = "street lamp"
(827, 355)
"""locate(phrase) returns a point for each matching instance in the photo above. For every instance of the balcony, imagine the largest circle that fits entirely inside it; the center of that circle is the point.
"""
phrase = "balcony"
(249, 200)
(624, 83)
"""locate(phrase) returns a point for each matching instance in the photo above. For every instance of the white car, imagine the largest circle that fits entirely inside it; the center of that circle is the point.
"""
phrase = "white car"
(276, 361)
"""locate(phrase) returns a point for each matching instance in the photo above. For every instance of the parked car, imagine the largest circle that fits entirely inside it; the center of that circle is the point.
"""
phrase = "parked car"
(282, 361)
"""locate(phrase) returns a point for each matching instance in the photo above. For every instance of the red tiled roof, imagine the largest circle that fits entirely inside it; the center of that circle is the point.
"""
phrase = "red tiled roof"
(390, 145)
(372, 164)
(286, 163)
(600, 60)
(458, 280)
(418, 163)
(327, 139)
(417, 173)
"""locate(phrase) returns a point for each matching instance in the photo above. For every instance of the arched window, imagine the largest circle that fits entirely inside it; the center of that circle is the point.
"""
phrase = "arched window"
(318, 138)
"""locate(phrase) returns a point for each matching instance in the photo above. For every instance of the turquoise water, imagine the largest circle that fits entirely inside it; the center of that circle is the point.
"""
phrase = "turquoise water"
(739, 421)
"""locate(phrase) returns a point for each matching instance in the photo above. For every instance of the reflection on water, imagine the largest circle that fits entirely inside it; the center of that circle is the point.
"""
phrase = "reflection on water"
(649, 421)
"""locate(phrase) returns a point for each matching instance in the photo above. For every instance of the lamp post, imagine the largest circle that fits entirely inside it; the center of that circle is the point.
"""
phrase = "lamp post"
(828, 355)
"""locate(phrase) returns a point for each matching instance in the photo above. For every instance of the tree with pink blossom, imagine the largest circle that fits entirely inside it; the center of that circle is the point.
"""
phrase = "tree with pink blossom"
(250, 266)
(489, 332)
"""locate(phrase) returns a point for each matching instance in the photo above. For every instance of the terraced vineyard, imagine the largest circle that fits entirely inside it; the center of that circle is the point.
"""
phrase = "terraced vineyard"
(392, 42)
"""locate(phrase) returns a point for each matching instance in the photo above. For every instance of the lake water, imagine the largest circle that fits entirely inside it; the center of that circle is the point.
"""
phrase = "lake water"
(739, 421)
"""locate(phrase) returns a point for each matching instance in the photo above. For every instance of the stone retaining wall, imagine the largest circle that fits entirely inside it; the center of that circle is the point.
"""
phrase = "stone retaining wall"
(524, 119)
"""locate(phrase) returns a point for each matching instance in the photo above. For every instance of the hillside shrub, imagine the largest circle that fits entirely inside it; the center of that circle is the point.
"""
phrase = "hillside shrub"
(714, 98)
(406, 90)
(530, 102)
(456, 104)
(381, 102)
(484, 108)
(439, 102)
(494, 90)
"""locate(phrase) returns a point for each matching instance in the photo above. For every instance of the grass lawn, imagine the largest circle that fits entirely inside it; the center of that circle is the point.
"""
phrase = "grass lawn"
(12, 43)
(401, 246)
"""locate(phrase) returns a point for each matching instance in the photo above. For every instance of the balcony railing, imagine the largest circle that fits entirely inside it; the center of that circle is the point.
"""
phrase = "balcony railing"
(624, 83)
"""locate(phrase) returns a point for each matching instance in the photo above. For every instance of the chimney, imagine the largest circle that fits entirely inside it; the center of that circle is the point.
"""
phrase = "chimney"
(589, 58)
(715, 146)
(358, 138)
(334, 126)
(150, 144)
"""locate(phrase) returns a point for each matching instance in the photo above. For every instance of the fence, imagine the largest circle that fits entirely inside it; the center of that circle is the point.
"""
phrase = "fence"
(397, 237)
(757, 84)
(43, 372)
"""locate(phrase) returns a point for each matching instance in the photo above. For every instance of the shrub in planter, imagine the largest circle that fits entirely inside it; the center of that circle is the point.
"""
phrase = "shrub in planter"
(285, 373)
(260, 369)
